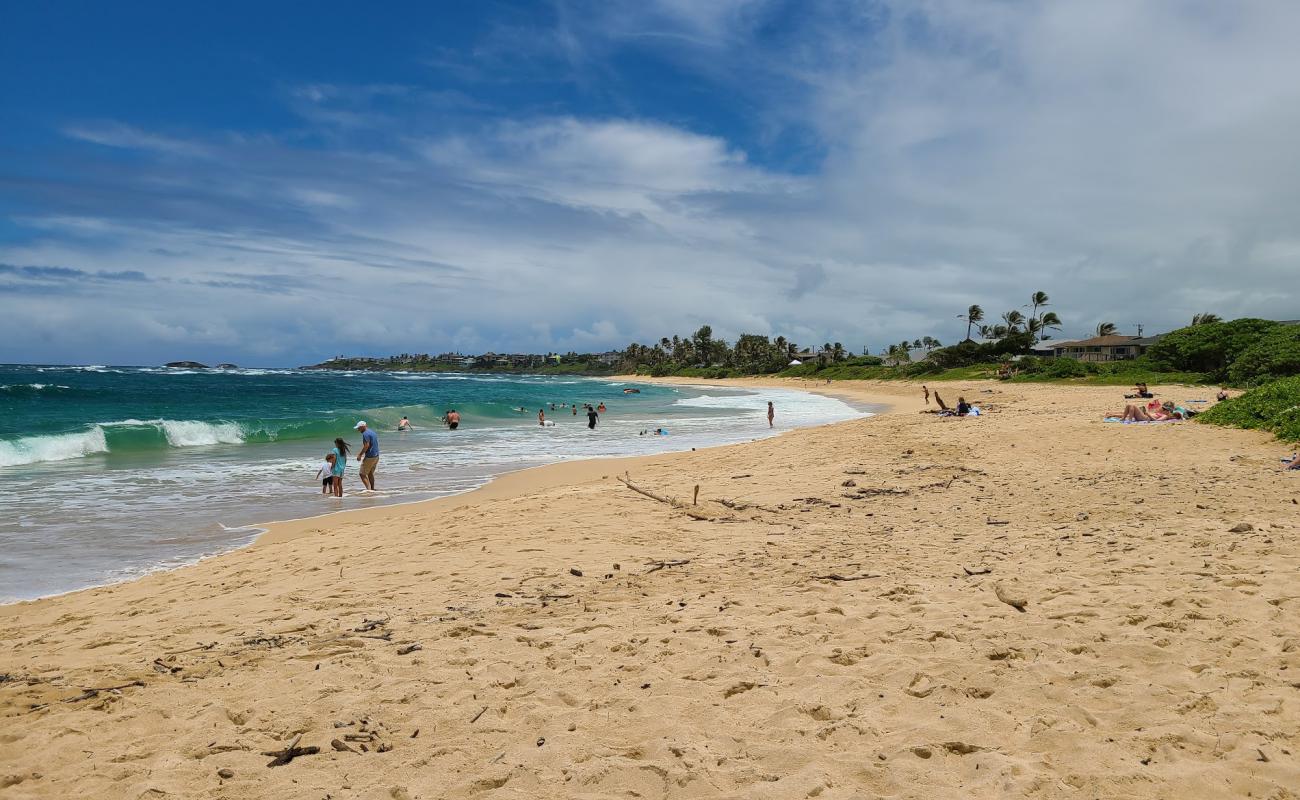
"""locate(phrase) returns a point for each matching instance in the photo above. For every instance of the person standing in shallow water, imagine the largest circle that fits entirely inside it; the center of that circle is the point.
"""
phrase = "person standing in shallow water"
(771, 413)
(369, 455)
(592, 416)
(340, 453)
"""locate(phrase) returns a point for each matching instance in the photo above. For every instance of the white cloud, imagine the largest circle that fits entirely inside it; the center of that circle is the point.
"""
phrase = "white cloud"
(1134, 160)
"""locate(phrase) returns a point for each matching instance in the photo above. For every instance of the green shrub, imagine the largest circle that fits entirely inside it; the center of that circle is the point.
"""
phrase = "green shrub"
(1209, 348)
(1272, 407)
(1069, 368)
(1275, 355)
(969, 353)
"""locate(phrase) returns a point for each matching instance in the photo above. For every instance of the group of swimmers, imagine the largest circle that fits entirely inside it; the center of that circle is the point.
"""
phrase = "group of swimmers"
(593, 414)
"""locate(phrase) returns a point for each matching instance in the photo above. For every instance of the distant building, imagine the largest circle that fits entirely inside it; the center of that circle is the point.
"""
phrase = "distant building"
(1100, 348)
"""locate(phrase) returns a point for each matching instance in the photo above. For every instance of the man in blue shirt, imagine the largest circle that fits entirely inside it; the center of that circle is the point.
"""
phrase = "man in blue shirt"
(369, 455)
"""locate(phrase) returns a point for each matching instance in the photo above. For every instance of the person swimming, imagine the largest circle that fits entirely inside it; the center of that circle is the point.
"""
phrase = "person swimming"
(404, 425)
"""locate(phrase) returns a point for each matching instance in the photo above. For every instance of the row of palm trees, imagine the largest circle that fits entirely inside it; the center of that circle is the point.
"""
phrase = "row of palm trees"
(1014, 321)
(1040, 321)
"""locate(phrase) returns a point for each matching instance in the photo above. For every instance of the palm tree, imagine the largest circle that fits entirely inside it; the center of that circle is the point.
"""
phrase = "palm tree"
(1206, 318)
(1036, 301)
(1049, 320)
(837, 352)
(1013, 319)
(974, 314)
(1106, 329)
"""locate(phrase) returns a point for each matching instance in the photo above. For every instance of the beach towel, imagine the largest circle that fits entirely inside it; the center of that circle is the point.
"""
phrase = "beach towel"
(1139, 421)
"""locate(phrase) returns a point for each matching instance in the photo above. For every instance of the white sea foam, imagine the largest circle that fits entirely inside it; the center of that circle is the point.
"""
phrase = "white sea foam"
(57, 447)
(186, 433)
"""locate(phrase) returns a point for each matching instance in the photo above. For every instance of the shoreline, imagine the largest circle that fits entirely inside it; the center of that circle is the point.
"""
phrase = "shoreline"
(518, 482)
(510, 483)
(1031, 602)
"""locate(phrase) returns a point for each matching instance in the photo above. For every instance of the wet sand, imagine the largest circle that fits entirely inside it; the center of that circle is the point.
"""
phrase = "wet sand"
(1031, 603)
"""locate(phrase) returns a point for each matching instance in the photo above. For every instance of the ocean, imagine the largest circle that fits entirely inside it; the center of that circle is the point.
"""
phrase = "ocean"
(112, 472)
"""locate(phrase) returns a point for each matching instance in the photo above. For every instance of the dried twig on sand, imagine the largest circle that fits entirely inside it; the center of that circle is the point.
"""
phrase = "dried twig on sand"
(291, 752)
(655, 566)
(672, 501)
(87, 694)
(834, 576)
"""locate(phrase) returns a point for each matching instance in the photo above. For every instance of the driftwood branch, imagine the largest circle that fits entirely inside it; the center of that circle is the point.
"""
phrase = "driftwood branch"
(655, 566)
(282, 757)
(87, 694)
(672, 501)
(837, 577)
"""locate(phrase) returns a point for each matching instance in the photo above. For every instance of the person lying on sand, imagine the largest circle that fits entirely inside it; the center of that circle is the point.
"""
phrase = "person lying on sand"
(1222, 395)
(1140, 390)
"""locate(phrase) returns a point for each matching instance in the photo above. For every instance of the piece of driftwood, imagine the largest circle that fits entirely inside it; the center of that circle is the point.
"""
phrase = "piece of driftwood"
(655, 566)
(480, 713)
(87, 694)
(383, 637)
(991, 521)
(834, 576)
(672, 501)
(341, 746)
(282, 757)
(978, 570)
(1010, 596)
(410, 648)
(371, 624)
(207, 646)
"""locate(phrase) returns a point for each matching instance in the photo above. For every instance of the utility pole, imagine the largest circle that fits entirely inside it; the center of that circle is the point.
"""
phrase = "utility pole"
(1139, 326)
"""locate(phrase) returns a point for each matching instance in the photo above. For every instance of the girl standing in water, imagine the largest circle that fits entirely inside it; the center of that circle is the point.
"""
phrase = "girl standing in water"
(340, 453)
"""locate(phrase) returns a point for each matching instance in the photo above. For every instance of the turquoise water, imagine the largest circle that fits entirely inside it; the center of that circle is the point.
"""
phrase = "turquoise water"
(111, 472)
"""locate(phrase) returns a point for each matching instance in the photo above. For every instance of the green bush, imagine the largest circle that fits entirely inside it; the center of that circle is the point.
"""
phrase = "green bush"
(1275, 355)
(1209, 348)
(1272, 407)
(969, 353)
(1069, 368)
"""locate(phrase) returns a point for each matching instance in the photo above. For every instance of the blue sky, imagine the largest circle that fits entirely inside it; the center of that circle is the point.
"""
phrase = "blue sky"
(276, 184)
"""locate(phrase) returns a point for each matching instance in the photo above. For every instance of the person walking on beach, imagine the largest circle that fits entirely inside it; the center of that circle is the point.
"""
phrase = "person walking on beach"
(771, 413)
(369, 455)
(592, 417)
(926, 389)
(340, 454)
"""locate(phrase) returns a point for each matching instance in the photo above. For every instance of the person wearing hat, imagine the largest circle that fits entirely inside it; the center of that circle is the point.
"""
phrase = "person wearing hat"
(369, 455)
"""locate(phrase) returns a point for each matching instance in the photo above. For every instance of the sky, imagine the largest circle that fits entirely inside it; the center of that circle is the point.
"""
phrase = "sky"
(276, 184)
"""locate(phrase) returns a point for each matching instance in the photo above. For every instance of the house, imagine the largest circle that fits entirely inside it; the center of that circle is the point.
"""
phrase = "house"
(1103, 348)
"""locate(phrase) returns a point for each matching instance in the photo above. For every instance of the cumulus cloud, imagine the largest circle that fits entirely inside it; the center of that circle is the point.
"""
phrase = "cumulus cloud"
(874, 168)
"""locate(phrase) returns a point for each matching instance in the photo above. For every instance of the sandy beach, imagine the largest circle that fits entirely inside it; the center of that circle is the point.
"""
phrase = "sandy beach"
(1031, 603)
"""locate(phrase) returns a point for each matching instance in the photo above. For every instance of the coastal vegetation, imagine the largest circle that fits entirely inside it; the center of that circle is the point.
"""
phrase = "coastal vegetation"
(1248, 353)
(1272, 407)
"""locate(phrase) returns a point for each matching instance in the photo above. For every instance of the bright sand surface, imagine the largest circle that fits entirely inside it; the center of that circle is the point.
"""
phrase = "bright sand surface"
(1157, 655)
